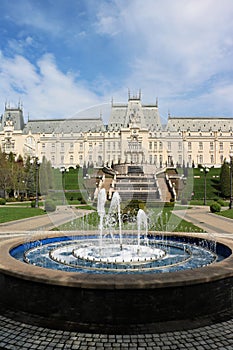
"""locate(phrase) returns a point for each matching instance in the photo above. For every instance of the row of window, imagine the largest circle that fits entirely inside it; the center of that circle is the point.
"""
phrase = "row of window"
(135, 145)
(155, 146)
(200, 146)
(211, 146)
(201, 160)
(153, 159)
(8, 147)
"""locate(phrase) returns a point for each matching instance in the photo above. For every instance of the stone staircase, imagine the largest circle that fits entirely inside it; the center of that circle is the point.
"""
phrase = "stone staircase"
(163, 188)
(132, 183)
(136, 185)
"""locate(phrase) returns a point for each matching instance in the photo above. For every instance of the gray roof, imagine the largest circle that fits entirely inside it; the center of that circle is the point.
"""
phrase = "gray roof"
(65, 126)
(15, 115)
(146, 116)
(200, 124)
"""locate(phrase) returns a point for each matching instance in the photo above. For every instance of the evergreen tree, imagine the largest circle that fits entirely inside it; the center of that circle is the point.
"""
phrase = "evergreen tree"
(43, 177)
(50, 173)
(85, 169)
(30, 182)
(225, 179)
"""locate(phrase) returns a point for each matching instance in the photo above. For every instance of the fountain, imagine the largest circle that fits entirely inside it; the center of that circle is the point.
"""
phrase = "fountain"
(101, 211)
(123, 282)
(142, 220)
(115, 205)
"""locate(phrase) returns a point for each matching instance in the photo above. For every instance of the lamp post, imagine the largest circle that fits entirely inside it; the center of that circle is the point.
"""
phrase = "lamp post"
(231, 165)
(205, 170)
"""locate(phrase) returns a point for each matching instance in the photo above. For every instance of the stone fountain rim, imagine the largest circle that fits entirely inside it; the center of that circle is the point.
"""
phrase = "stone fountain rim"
(13, 267)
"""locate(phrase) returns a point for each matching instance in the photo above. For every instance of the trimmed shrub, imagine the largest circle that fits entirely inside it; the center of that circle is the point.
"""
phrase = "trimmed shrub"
(50, 205)
(2, 201)
(11, 199)
(215, 207)
(133, 206)
(221, 202)
(33, 204)
(169, 204)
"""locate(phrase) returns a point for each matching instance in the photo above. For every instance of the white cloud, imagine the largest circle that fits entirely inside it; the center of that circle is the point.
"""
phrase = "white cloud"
(180, 51)
(176, 49)
(45, 91)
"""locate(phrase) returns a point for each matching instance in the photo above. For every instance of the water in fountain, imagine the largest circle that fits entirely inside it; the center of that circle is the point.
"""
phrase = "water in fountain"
(101, 212)
(142, 219)
(119, 253)
(98, 253)
(115, 206)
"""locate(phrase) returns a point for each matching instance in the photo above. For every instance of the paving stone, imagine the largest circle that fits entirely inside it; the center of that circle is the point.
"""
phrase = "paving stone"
(20, 336)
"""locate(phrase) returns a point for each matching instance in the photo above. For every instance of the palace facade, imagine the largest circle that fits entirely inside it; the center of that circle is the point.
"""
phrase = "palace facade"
(133, 135)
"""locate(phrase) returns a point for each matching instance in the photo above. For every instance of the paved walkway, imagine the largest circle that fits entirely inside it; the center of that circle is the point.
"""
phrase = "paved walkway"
(45, 222)
(15, 335)
(203, 218)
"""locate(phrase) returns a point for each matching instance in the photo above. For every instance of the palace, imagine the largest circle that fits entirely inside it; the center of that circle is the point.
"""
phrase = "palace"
(134, 135)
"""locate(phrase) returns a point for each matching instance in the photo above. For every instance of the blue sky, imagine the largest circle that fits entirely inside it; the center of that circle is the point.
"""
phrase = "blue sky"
(68, 57)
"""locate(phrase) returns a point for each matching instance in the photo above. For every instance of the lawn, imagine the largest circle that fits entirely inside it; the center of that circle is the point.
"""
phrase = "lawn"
(8, 213)
(212, 184)
(68, 184)
(226, 213)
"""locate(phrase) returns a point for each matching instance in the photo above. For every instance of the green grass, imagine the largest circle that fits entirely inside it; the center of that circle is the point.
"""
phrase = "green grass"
(85, 207)
(226, 213)
(71, 179)
(8, 213)
(212, 184)
(69, 184)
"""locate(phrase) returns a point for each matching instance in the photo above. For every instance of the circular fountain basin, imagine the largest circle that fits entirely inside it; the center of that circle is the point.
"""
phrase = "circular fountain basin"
(112, 253)
(96, 301)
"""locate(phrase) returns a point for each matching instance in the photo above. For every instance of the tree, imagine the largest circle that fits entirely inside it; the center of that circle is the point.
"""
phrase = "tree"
(30, 183)
(5, 175)
(85, 169)
(43, 177)
(225, 179)
(50, 173)
(46, 176)
(19, 177)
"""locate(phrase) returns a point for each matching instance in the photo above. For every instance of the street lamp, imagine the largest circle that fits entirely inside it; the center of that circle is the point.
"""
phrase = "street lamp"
(205, 170)
(231, 165)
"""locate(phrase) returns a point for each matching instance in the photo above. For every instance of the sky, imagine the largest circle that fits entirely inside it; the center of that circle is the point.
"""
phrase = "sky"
(63, 58)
